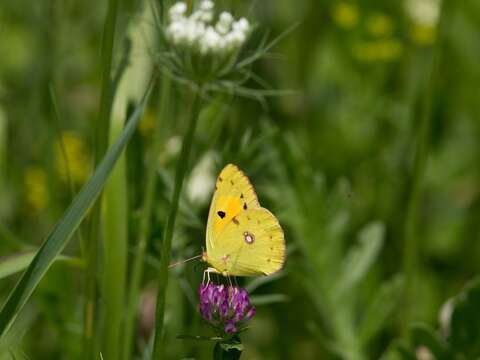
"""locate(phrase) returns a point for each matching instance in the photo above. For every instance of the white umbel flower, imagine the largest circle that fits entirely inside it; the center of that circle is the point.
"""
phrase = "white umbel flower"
(423, 12)
(197, 32)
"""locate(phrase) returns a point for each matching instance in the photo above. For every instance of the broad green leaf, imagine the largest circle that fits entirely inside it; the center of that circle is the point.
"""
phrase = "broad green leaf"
(360, 258)
(379, 309)
(235, 346)
(66, 226)
(12, 264)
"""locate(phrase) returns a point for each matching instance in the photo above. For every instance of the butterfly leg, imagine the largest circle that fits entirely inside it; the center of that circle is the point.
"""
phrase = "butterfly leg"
(203, 278)
(229, 280)
(207, 272)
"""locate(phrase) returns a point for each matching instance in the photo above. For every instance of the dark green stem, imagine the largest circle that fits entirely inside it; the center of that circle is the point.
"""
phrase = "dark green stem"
(144, 232)
(102, 127)
(182, 165)
(228, 350)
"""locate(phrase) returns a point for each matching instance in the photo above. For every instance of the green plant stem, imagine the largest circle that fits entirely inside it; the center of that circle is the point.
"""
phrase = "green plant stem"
(3, 154)
(145, 221)
(411, 244)
(115, 253)
(101, 142)
(182, 165)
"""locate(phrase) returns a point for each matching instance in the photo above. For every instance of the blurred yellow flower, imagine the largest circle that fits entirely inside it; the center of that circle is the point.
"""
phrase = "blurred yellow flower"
(77, 166)
(379, 25)
(423, 35)
(378, 50)
(345, 15)
(147, 124)
(36, 190)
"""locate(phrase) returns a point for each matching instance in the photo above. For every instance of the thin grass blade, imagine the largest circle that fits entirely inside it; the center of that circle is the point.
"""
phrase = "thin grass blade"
(63, 230)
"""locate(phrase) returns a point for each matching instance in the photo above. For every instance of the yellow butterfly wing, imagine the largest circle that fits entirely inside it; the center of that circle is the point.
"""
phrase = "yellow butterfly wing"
(243, 239)
(233, 194)
(251, 244)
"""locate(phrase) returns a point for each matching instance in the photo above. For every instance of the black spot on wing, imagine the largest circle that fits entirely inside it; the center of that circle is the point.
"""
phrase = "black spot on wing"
(244, 206)
(221, 214)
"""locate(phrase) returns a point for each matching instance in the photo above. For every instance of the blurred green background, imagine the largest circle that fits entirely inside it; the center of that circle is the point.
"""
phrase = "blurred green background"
(376, 147)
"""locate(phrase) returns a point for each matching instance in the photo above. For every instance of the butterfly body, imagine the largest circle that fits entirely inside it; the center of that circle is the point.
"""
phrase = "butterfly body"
(243, 239)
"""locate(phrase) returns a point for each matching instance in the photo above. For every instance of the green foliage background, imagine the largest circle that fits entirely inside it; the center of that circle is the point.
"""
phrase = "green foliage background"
(336, 159)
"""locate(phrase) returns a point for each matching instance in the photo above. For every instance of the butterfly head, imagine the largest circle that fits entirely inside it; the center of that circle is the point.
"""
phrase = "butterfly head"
(204, 256)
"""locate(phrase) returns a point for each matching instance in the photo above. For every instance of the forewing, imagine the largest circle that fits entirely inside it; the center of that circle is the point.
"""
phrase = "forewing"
(233, 194)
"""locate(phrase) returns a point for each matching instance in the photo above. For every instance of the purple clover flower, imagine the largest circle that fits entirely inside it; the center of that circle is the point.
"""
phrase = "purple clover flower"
(225, 307)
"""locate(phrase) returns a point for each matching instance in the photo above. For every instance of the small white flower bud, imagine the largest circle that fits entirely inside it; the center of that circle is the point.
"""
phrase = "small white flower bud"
(177, 11)
(210, 40)
(193, 31)
(207, 5)
(239, 37)
(225, 18)
(224, 23)
(206, 16)
(241, 25)
(176, 32)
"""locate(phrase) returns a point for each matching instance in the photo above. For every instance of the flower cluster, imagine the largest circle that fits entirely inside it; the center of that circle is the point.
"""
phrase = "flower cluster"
(225, 307)
(198, 32)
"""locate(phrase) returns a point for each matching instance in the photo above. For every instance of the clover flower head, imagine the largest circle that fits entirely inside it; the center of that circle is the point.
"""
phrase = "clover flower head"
(225, 307)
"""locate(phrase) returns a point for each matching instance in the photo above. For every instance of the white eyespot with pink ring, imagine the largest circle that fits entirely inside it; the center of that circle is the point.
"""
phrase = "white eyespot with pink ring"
(248, 237)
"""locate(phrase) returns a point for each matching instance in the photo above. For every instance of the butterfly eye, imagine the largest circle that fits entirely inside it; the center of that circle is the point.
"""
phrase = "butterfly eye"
(221, 214)
(249, 237)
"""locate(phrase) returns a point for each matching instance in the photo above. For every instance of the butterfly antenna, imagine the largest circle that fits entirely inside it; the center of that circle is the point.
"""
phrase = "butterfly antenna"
(184, 261)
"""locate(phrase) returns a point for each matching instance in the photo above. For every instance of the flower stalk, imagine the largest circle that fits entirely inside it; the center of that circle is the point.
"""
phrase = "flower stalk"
(144, 233)
(411, 241)
(180, 172)
(101, 143)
